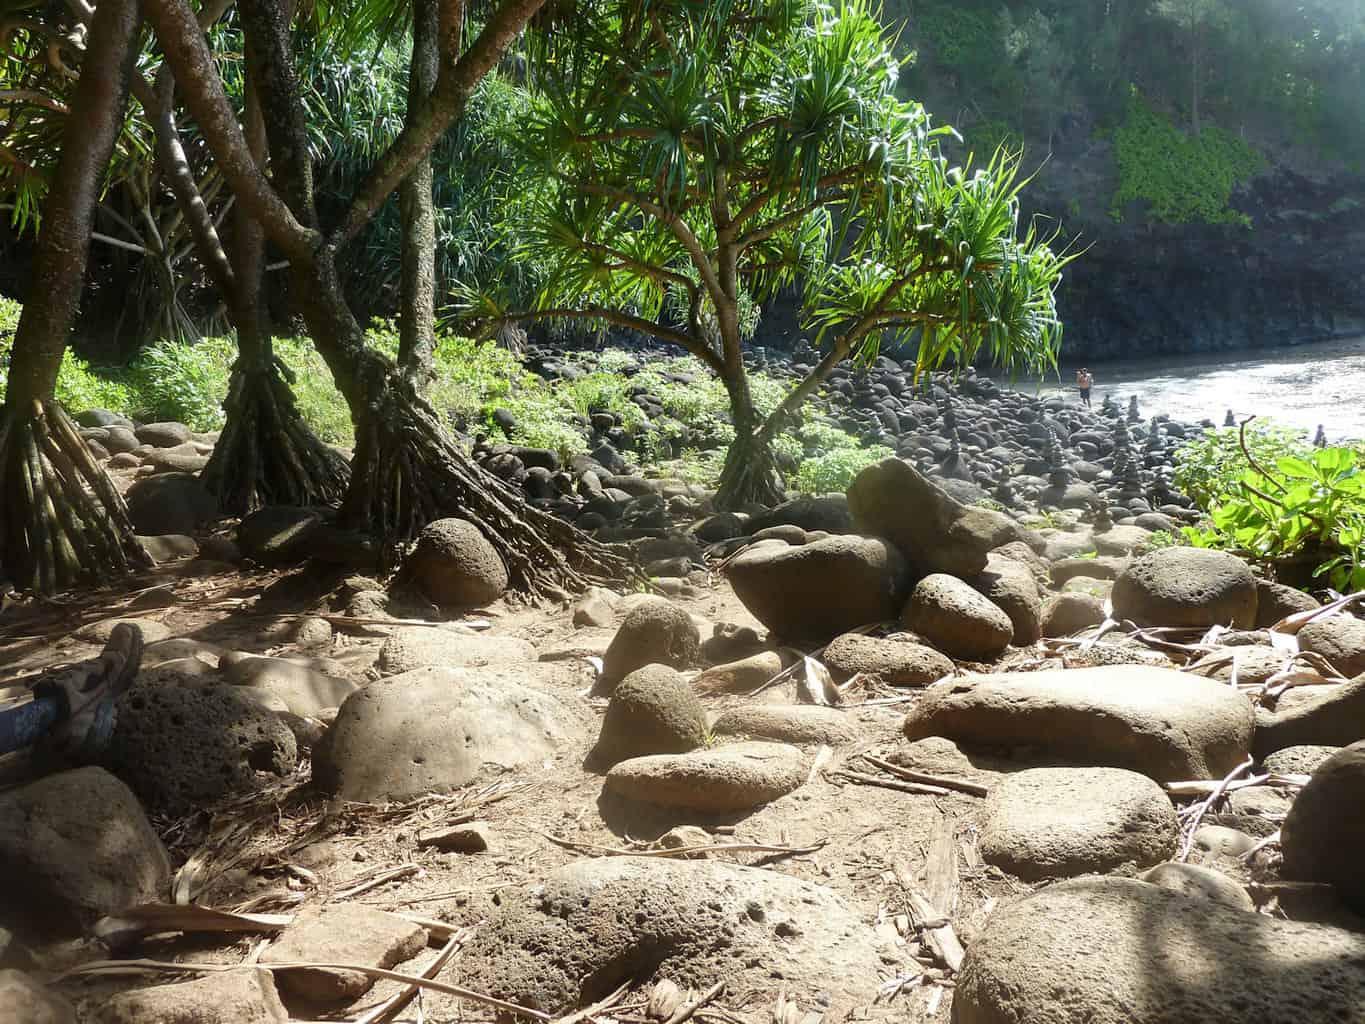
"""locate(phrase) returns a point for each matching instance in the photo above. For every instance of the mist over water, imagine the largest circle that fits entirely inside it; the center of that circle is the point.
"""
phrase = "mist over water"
(1300, 387)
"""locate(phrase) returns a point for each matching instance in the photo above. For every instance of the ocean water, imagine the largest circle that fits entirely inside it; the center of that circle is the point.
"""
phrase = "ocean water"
(1303, 387)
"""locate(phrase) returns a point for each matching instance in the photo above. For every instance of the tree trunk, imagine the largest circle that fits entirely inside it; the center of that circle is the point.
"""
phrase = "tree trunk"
(408, 471)
(266, 454)
(750, 474)
(417, 316)
(61, 518)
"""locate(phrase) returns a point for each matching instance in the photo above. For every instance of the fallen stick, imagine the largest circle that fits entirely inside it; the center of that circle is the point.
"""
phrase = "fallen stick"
(686, 1011)
(938, 930)
(390, 1007)
(684, 851)
(1203, 787)
(597, 1007)
(393, 874)
(1208, 803)
(961, 785)
(896, 784)
(146, 966)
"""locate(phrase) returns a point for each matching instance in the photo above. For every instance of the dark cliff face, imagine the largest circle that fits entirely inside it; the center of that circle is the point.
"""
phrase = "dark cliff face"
(1144, 289)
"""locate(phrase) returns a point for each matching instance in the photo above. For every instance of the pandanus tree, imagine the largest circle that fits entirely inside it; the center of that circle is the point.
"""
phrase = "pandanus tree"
(702, 157)
(406, 468)
(61, 518)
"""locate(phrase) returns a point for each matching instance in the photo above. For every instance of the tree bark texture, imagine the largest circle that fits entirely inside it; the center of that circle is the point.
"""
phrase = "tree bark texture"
(417, 316)
(91, 130)
(266, 454)
(61, 518)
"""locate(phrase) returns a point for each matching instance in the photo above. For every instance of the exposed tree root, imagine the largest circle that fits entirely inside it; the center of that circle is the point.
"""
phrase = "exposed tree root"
(749, 475)
(266, 455)
(408, 471)
(62, 521)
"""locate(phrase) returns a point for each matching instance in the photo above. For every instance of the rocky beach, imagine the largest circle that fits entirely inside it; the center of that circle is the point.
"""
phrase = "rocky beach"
(973, 740)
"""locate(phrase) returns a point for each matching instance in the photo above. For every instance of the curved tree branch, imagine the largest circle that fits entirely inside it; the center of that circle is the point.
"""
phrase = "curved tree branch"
(456, 82)
(188, 54)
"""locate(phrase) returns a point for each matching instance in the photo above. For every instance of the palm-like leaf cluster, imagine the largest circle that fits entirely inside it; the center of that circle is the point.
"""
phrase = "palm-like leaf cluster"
(700, 152)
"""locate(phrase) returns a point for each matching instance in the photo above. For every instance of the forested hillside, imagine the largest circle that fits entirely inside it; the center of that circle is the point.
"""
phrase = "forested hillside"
(1209, 153)
(1206, 154)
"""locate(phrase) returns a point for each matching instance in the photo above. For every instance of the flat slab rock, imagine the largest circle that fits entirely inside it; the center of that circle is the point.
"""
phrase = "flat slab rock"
(788, 723)
(1120, 951)
(1062, 822)
(341, 933)
(417, 646)
(737, 777)
(594, 924)
(232, 997)
(1162, 723)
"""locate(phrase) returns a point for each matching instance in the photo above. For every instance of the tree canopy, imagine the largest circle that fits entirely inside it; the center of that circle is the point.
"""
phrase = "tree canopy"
(696, 161)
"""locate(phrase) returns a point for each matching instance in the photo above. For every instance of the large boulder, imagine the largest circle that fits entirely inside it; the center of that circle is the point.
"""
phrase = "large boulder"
(952, 616)
(894, 662)
(1323, 836)
(591, 925)
(170, 503)
(1330, 716)
(652, 711)
(1340, 639)
(654, 632)
(74, 847)
(816, 591)
(455, 566)
(432, 730)
(1186, 587)
(1061, 822)
(1165, 724)
(935, 532)
(721, 780)
(181, 748)
(1120, 951)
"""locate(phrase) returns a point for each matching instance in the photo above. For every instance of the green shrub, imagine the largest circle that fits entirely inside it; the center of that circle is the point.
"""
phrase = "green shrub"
(80, 386)
(1209, 467)
(1183, 178)
(183, 382)
(1312, 504)
(834, 471)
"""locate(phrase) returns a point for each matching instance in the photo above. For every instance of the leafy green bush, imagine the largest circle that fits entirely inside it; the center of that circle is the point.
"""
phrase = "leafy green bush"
(182, 382)
(1209, 467)
(79, 385)
(835, 470)
(1313, 504)
(1183, 178)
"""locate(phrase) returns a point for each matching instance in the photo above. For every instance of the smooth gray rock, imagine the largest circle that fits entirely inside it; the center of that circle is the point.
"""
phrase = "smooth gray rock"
(1061, 822)
(1165, 724)
(431, 730)
(1120, 951)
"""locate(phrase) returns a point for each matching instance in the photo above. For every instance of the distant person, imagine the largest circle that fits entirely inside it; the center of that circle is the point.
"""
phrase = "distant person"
(1084, 381)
